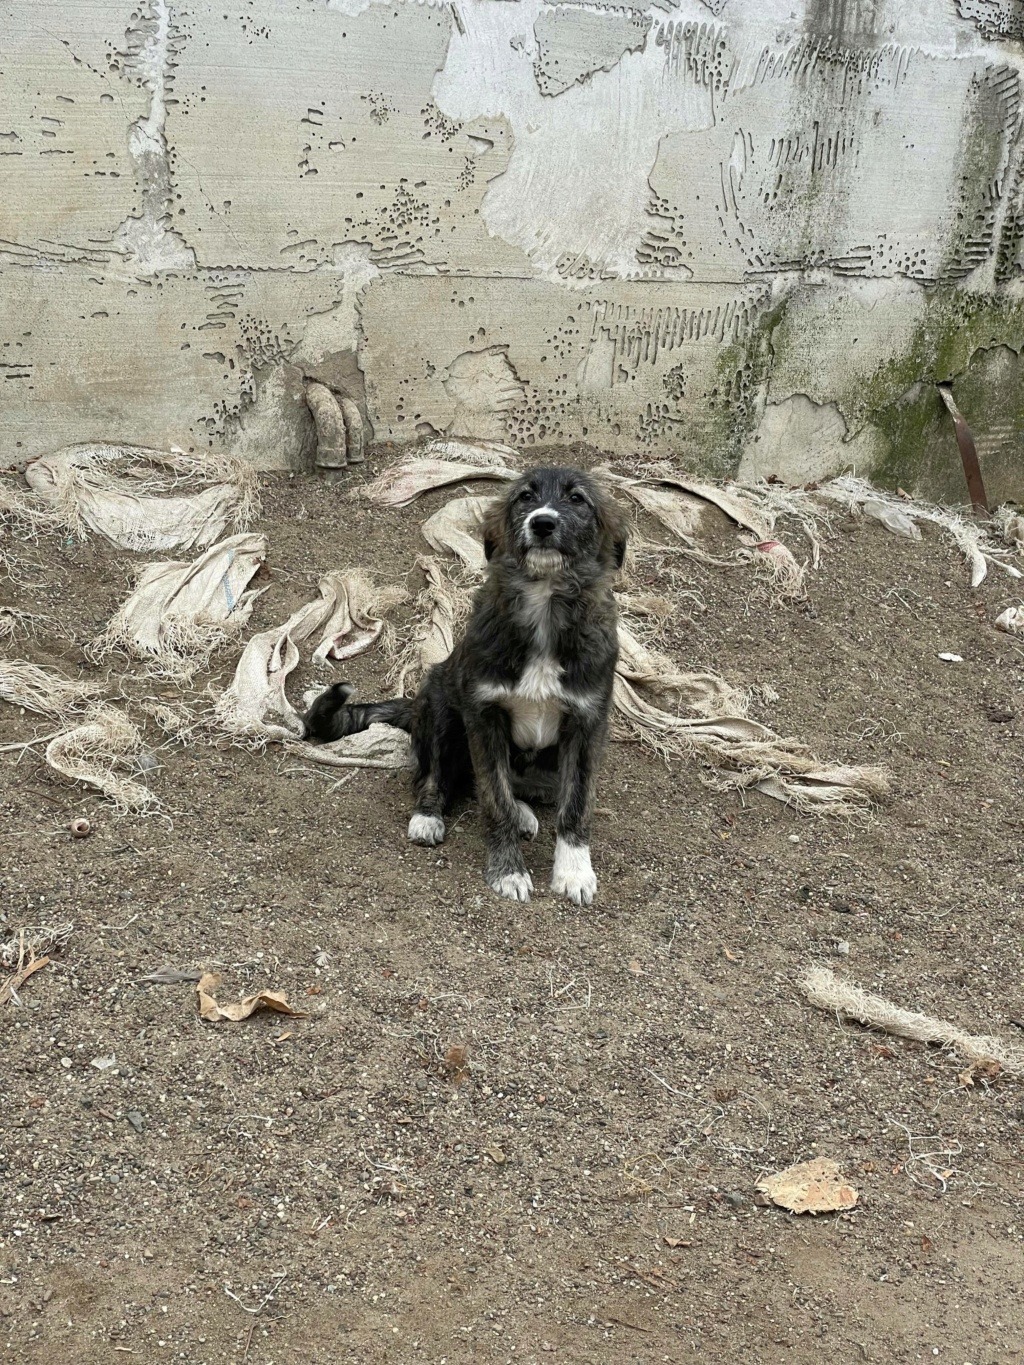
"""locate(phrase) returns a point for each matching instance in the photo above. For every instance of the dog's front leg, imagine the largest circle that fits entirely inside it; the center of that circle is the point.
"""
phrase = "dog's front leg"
(489, 740)
(579, 749)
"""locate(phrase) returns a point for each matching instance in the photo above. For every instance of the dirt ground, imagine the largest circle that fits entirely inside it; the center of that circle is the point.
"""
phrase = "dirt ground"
(325, 1189)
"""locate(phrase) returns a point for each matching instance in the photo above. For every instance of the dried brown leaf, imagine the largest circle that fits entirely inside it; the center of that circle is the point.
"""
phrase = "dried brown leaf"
(262, 1000)
(456, 1062)
(979, 1071)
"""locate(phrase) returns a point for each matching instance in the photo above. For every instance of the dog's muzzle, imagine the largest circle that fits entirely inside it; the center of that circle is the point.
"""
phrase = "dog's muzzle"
(541, 526)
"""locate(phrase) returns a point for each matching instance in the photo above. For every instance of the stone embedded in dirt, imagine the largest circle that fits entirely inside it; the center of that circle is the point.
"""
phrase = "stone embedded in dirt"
(810, 1187)
(136, 1120)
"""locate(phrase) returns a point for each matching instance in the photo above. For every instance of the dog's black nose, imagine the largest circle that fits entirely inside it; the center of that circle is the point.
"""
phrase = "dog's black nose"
(542, 524)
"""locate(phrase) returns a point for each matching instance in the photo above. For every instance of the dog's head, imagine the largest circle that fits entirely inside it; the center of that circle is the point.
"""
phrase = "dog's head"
(556, 519)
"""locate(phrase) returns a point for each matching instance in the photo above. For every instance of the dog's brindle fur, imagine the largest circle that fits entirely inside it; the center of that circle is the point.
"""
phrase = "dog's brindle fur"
(521, 705)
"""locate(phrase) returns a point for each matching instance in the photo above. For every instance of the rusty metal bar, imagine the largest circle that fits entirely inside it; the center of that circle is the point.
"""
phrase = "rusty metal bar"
(968, 452)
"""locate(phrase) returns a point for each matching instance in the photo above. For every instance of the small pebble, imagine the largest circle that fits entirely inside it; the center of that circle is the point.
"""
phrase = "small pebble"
(136, 1120)
(842, 948)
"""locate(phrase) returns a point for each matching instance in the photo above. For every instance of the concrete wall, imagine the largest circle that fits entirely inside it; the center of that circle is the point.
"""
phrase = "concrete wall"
(748, 233)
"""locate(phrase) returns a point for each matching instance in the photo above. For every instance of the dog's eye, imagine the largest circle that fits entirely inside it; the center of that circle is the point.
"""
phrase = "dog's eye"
(576, 496)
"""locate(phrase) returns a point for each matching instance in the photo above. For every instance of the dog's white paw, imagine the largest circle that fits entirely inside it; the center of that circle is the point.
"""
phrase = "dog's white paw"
(426, 829)
(572, 874)
(528, 823)
(514, 886)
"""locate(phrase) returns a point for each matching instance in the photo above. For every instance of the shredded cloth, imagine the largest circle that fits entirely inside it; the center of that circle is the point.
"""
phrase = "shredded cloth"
(677, 502)
(379, 746)
(100, 743)
(491, 453)
(442, 606)
(679, 505)
(403, 483)
(100, 751)
(357, 621)
(455, 529)
(823, 989)
(23, 517)
(143, 499)
(12, 620)
(901, 516)
(347, 611)
(43, 690)
(649, 694)
(180, 612)
(33, 940)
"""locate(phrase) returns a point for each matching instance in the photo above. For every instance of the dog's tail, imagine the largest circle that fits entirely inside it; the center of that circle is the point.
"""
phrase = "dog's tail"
(332, 717)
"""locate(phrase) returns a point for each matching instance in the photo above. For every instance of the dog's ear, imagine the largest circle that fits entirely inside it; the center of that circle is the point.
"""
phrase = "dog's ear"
(495, 526)
(612, 528)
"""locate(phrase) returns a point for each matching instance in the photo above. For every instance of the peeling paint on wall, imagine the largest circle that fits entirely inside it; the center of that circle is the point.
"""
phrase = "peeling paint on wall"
(574, 42)
(810, 441)
(747, 235)
(995, 18)
(148, 237)
(633, 367)
(302, 132)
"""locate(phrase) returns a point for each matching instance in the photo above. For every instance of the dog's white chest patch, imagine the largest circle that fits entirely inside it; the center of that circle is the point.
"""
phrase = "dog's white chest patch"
(536, 704)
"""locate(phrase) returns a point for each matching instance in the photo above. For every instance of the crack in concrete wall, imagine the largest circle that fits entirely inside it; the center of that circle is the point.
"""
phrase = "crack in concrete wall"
(746, 235)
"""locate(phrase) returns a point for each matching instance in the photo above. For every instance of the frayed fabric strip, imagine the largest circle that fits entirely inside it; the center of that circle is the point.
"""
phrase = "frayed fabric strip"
(142, 499)
(823, 989)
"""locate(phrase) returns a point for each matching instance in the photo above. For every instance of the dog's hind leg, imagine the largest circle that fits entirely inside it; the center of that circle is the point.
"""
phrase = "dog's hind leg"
(443, 770)
(489, 734)
(579, 749)
(332, 717)
(536, 786)
(534, 782)
(528, 822)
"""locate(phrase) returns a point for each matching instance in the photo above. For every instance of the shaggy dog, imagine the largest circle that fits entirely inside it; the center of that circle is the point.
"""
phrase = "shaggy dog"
(520, 707)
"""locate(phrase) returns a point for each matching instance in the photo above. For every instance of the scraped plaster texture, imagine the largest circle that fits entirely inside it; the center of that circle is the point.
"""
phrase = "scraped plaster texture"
(745, 234)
